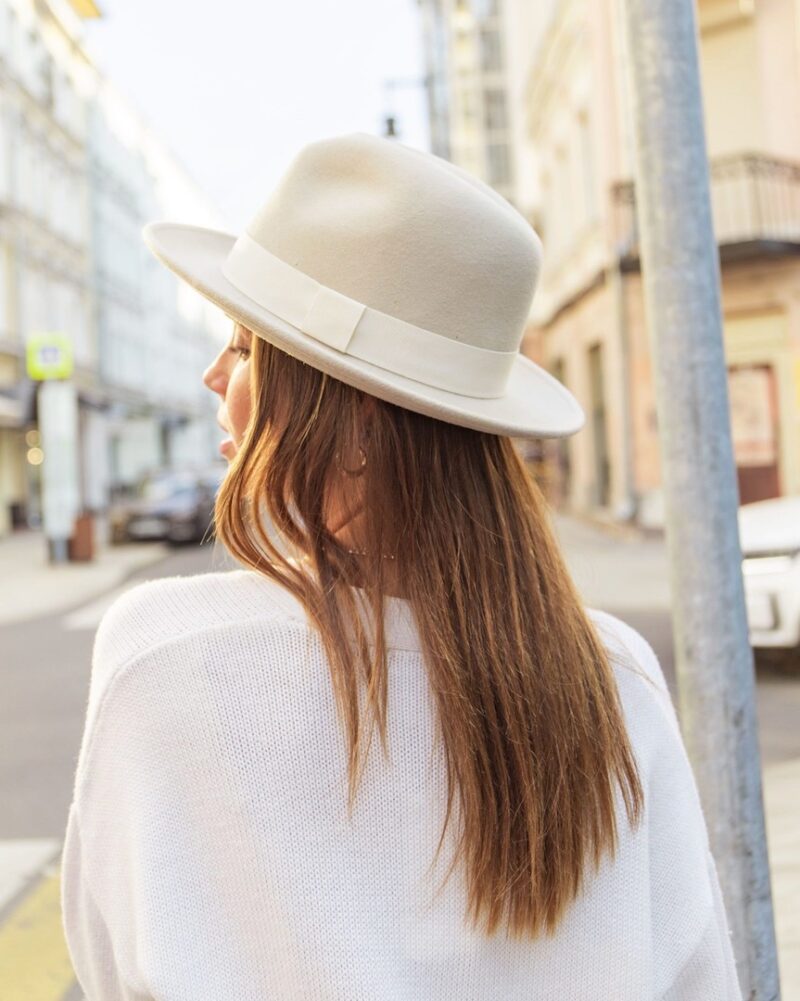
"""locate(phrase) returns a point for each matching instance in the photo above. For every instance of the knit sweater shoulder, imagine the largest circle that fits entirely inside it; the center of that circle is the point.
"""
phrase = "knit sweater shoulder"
(208, 852)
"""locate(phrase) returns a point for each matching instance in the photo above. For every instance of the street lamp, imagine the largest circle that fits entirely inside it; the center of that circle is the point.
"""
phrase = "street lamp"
(390, 119)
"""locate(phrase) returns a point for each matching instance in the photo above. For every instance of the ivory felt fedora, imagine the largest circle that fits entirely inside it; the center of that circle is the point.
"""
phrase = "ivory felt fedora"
(394, 271)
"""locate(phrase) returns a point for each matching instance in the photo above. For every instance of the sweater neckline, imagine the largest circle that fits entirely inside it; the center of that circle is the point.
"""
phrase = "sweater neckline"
(399, 622)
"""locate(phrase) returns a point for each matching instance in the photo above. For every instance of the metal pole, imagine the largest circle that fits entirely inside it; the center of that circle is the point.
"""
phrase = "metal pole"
(714, 660)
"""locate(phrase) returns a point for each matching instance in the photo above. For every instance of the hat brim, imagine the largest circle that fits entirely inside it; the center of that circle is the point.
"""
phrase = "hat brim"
(535, 405)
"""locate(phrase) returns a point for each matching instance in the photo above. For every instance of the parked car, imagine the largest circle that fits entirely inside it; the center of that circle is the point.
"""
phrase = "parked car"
(175, 506)
(769, 532)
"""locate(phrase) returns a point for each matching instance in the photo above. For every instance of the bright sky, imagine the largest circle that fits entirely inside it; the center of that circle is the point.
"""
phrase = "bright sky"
(235, 89)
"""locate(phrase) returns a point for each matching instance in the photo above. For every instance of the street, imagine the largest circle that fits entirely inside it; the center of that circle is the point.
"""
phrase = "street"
(46, 661)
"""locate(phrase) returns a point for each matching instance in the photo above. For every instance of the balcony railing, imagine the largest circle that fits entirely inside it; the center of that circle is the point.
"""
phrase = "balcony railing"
(755, 203)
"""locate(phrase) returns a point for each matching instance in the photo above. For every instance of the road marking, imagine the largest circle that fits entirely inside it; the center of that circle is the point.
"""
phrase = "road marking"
(88, 616)
(20, 861)
(34, 961)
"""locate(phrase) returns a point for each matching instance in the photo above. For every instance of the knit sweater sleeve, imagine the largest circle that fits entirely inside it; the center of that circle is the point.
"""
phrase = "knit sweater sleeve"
(710, 970)
(691, 938)
(87, 935)
(135, 791)
(92, 934)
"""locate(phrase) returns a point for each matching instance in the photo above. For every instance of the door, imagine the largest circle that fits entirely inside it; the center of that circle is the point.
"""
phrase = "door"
(753, 394)
(602, 466)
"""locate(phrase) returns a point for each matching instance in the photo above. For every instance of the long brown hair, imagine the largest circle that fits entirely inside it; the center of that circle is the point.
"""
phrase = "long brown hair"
(527, 704)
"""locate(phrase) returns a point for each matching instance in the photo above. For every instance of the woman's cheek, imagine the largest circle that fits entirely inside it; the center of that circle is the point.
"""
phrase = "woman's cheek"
(238, 401)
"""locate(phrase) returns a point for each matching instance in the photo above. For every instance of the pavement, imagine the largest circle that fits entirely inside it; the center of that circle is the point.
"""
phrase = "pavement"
(615, 568)
(35, 587)
(619, 571)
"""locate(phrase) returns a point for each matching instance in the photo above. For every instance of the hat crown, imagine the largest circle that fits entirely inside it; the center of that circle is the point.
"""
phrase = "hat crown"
(394, 271)
(405, 233)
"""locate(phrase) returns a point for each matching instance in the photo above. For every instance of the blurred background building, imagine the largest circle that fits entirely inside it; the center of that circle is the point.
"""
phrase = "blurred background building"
(468, 107)
(571, 157)
(529, 97)
(79, 177)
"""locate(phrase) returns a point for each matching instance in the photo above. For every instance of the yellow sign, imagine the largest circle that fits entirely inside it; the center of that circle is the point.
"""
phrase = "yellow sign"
(85, 8)
(49, 356)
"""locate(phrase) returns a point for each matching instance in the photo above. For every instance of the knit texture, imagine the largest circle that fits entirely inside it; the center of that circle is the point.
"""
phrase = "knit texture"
(208, 854)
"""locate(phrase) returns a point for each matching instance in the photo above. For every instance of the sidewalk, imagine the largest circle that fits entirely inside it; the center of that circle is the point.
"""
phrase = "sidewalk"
(615, 569)
(34, 587)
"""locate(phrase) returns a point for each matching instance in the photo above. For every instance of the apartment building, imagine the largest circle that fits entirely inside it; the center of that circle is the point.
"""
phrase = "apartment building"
(564, 125)
(44, 233)
(465, 59)
(588, 324)
(155, 335)
(79, 177)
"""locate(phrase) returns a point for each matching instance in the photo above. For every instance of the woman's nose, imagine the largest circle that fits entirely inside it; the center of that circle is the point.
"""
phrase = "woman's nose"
(216, 378)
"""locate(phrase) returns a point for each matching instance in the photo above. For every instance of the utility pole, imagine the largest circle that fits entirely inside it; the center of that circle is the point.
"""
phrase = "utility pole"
(714, 660)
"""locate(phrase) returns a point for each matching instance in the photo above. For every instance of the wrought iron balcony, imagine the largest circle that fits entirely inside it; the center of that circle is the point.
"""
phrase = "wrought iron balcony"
(755, 203)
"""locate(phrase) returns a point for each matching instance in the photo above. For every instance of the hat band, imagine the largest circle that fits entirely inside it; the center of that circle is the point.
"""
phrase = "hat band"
(365, 333)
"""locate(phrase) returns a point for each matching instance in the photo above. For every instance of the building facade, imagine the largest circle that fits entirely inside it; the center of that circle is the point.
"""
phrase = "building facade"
(567, 128)
(155, 335)
(44, 234)
(79, 177)
(588, 325)
(464, 48)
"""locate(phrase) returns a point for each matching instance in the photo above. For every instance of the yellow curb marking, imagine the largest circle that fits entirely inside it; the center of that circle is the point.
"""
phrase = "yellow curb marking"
(34, 961)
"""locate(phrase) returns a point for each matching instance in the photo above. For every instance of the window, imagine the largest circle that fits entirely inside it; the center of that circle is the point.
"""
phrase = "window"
(563, 196)
(464, 51)
(495, 117)
(34, 301)
(499, 163)
(5, 30)
(491, 51)
(562, 473)
(485, 9)
(5, 159)
(45, 82)
(602, 464)
(4, 300)
(586, 154)
(468, 107)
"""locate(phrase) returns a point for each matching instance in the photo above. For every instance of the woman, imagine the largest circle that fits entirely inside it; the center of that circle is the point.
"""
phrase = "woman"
(528, 825)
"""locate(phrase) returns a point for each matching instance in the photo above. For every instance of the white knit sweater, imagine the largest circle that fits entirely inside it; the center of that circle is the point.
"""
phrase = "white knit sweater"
(208, 856)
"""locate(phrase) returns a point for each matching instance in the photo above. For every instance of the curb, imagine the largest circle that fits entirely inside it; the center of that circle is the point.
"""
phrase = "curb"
(613, 529)
(42, 589)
